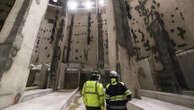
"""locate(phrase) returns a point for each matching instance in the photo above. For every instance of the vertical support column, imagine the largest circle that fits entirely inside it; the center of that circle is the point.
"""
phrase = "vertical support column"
(111, 35)
(89, 27)
(23, 36)
(120, 39)
(100, 41)
(69, 38)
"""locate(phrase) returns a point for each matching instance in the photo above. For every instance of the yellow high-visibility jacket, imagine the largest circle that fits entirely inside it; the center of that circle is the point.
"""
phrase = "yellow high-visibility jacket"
(93, 94)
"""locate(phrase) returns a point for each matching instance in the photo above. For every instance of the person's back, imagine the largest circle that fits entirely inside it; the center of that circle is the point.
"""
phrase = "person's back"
(117, 94)
(93, 95)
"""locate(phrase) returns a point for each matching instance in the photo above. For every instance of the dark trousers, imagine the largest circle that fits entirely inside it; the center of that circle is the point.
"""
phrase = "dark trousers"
(116, 109)
(92, 108)
(108, 108)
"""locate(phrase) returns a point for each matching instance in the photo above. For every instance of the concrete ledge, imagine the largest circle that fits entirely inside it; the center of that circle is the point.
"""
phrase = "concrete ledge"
(29, 95)
(53, 101)
(68, 102)
(31, 88)
(191, 93)
(178, 99)
(131, 106)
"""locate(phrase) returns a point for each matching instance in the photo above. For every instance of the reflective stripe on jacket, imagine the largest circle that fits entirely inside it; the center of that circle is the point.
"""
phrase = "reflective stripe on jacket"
(93, 94)
(119, 95)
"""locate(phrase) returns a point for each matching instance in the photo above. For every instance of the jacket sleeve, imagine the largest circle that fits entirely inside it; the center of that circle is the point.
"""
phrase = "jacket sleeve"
(128, 93)
(107, 96)
(101, 94)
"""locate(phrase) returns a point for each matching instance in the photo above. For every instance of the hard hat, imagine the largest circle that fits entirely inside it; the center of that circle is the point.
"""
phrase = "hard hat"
(114, 77)
(95, 75)
(113, 74)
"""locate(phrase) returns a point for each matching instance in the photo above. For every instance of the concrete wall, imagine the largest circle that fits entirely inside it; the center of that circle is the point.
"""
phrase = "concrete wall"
(93, 43)
(15, 77)
(81, 49)
(119, 55)
(112, 35)
(43, 50)
(145, 76)
(176, 16)
(105, 35)
(44, 45)
(186, 60)
(84, 45)
(90, 39)
(5, 7)
(10, 20)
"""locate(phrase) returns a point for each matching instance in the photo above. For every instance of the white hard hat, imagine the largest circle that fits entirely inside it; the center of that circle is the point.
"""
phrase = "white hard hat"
(113, 74)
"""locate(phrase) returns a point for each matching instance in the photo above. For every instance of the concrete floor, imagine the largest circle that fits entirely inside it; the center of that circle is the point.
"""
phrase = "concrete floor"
(145, 103)
(56, 101)
(76, 104)
(53, 101)
(152, 104)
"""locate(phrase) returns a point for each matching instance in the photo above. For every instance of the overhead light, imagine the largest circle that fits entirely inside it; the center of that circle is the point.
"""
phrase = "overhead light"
(55, 0)
(88, 5)
(101, 3)
(72, 5)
